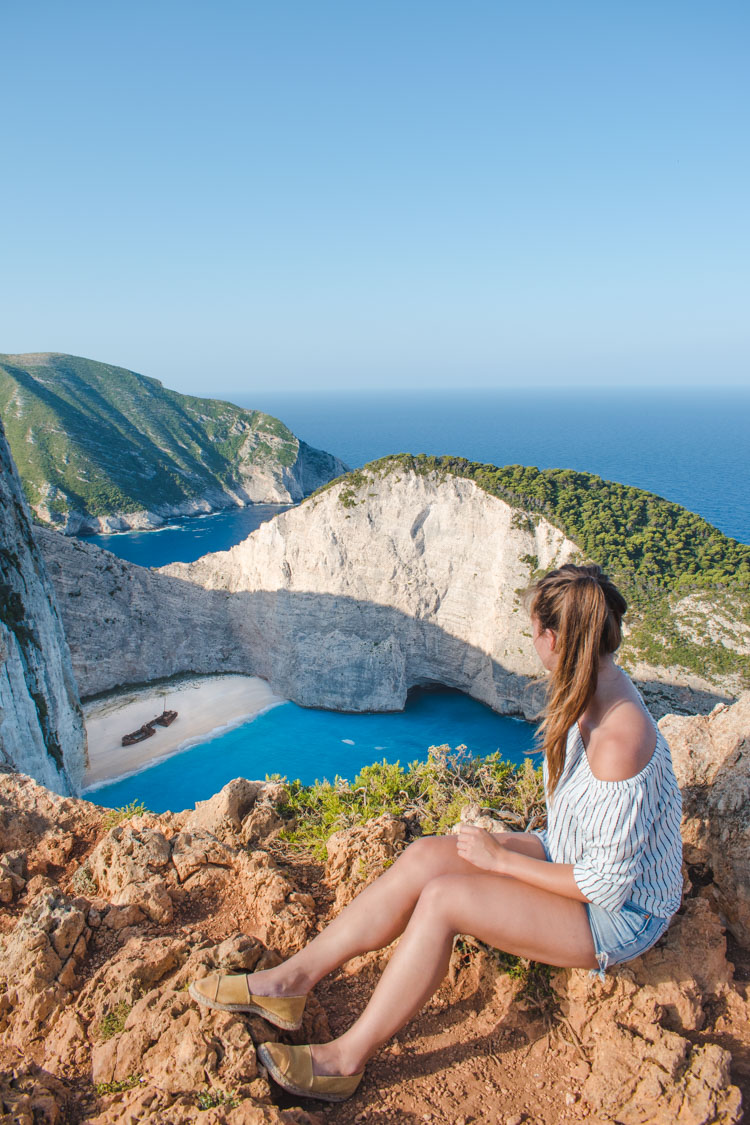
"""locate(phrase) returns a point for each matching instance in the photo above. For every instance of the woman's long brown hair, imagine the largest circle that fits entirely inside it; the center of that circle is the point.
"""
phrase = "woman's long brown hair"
(584, 610)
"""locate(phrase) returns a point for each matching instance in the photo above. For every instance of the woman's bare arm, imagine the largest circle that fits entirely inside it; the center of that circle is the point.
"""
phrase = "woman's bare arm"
(487, 851)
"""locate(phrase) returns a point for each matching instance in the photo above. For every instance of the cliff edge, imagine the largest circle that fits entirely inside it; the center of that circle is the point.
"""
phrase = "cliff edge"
(109, 915)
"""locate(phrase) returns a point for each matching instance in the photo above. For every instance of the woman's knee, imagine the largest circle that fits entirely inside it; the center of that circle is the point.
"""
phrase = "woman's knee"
(438, 896)
(424, 858)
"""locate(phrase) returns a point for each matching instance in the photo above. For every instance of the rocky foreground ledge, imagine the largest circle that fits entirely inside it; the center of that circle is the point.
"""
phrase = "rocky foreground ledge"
(105, 924)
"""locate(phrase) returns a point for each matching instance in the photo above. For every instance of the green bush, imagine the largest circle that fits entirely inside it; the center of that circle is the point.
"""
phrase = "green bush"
(210, 1099)
(431, 792)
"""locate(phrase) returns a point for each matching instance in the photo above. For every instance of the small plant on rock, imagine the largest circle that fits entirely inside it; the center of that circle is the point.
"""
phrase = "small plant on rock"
(117, 816)
(210, 1099)
(113, 1021)
(83, 881)
(103, 1088)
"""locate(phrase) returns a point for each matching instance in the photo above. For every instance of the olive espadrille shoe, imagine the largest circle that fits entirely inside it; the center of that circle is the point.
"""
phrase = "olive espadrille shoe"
(231, 993)
(292, 1068)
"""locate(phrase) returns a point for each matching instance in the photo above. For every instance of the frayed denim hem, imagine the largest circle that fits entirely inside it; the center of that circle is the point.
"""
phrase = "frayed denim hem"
(603, 959)
(622, 935)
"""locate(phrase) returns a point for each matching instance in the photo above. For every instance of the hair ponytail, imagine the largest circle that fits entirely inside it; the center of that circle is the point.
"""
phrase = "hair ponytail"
(584, 610)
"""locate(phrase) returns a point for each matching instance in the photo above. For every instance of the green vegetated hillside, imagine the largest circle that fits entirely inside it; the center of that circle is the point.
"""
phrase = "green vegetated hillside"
(658, 552)
(99, 439)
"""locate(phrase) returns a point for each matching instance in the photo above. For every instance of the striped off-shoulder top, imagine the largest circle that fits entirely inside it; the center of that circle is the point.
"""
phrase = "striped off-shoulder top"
(623, 837)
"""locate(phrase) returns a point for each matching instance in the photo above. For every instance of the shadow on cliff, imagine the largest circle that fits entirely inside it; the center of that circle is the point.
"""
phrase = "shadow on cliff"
(137, 625)
(319, 650)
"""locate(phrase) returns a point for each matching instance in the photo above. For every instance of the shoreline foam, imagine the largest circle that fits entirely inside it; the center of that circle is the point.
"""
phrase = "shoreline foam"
(207, 706)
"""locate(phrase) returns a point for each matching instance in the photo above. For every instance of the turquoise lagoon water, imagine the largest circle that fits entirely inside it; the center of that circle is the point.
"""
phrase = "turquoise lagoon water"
(307, 744)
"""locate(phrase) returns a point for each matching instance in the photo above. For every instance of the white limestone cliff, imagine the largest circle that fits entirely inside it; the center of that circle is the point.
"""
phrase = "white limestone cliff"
(41, 725)
(407, 580)
(345, 602)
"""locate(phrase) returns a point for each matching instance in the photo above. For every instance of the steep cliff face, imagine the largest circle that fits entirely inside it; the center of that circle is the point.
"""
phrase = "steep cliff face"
(401, 581)
(41, 726)
(127, 624)
(345, 602)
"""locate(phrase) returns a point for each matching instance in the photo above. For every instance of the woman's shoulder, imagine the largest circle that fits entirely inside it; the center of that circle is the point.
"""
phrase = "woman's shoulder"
(623, 744)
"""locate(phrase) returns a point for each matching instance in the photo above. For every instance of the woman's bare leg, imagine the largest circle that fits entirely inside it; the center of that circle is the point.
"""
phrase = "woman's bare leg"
(503, 912)
(378, 914)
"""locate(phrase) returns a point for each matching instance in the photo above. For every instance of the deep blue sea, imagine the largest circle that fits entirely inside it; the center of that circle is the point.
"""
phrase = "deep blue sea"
(688, 446)
(185, 540)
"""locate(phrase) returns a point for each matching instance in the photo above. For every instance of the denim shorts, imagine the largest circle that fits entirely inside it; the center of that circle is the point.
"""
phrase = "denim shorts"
(623, 934)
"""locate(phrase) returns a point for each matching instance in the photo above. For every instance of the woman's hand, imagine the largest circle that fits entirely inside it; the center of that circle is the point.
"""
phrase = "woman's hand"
(480, 847)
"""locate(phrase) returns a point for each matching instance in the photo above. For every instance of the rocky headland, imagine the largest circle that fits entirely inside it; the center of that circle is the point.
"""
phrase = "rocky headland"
(107, 919)
(100, 448)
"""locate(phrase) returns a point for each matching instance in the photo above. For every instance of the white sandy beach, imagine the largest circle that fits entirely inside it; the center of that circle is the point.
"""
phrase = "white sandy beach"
(204, 704)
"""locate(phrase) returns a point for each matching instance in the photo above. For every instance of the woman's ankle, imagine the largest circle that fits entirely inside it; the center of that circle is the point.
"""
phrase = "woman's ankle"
(335, 1059)
(278, 981)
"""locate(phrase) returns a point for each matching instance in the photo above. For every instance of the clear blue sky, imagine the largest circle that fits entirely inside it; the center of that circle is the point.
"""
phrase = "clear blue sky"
(361, 193)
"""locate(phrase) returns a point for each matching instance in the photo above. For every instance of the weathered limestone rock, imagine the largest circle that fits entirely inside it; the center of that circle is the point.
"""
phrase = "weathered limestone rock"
(193, 851)
(41, 725)
(223, 814)
(655, 1072)
(41, 825)
(261, 824)
(641, 1068)
(130, 866)
(143, 873)
(711, 756)
(39, 963)
(688, 968)
(283, 917)
(12, 874)
(356, 856)
(28, 1095)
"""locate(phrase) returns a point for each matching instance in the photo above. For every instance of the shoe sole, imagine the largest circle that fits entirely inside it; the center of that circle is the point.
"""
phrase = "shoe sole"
(246, 1009)
(290, 1087)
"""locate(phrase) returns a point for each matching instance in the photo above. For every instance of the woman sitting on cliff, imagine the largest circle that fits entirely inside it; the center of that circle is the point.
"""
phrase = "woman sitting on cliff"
(598, 887)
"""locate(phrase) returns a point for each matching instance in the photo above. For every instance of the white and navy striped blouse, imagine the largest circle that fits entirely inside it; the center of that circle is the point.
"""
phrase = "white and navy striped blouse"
(623, 837)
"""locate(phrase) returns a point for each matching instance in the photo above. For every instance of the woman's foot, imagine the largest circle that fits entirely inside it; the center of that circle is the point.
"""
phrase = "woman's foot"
(329, 1059)
(294, 1070)
(232, 992)
(277, 982)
